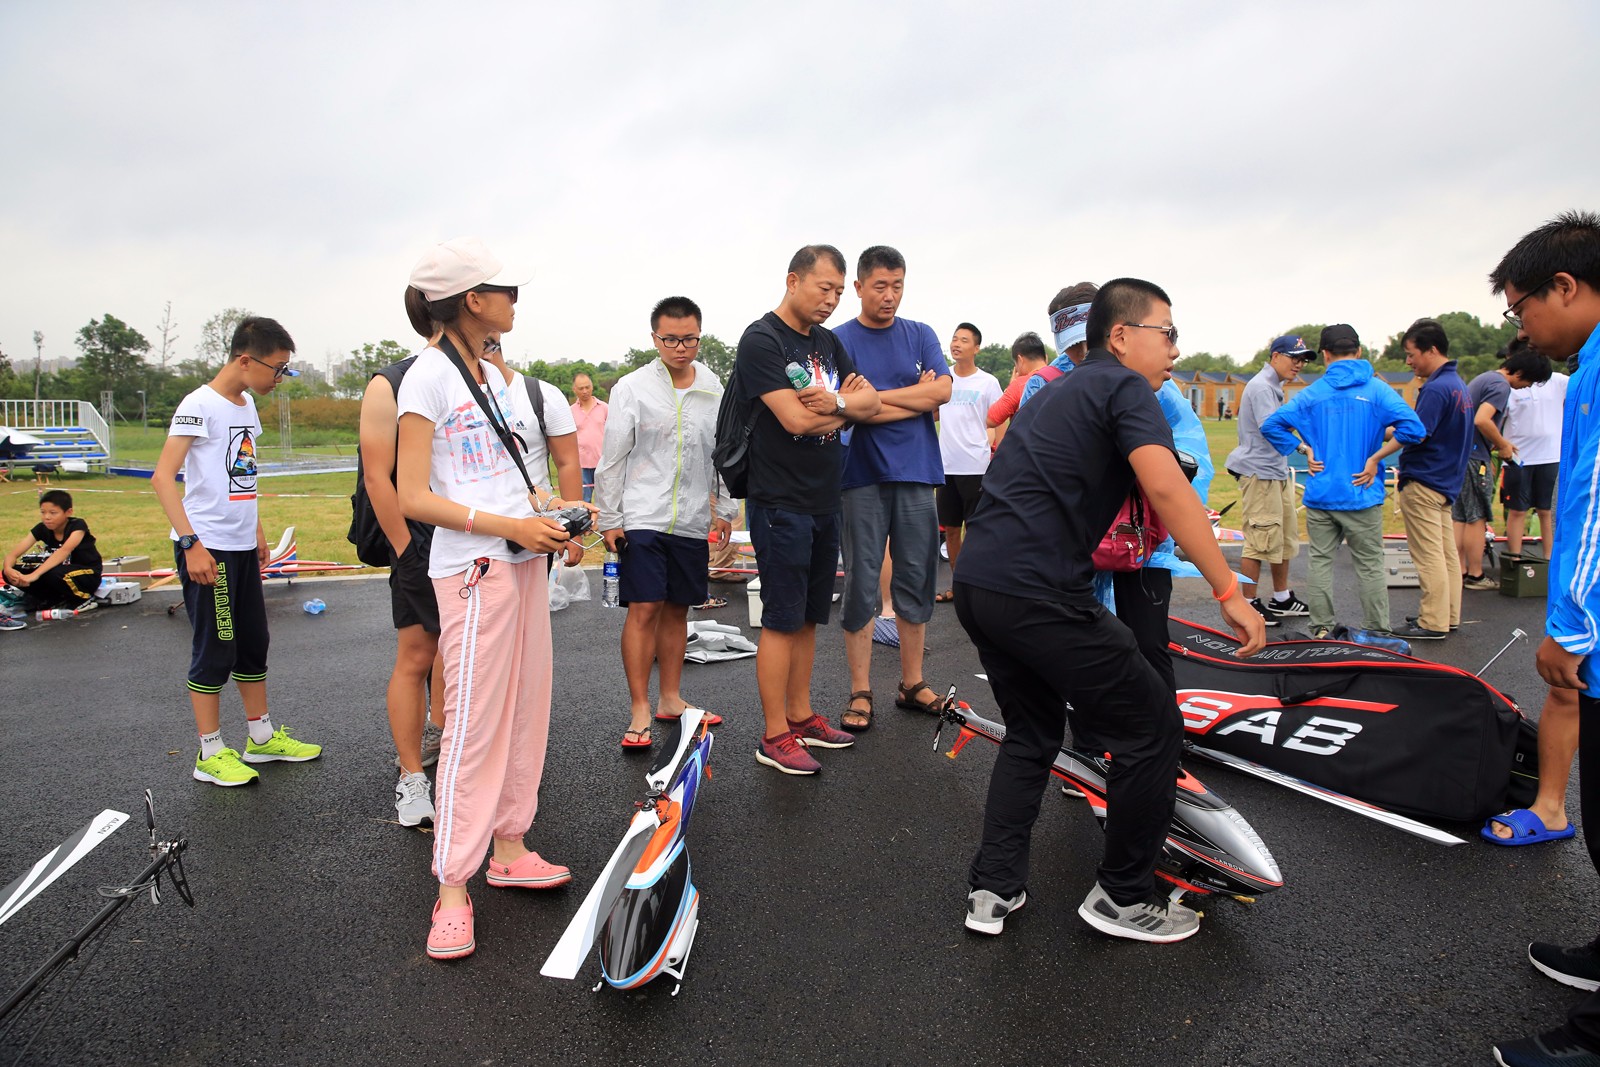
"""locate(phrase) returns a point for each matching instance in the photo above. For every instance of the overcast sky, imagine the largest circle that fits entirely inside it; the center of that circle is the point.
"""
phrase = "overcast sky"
(1269, 164)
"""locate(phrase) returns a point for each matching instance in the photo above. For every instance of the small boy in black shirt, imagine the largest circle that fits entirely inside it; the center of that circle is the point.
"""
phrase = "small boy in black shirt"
(1024, 594)
(70, 574)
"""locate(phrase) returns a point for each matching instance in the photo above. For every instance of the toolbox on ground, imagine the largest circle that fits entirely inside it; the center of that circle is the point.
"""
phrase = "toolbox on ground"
(1524, 575)
(1398, 570)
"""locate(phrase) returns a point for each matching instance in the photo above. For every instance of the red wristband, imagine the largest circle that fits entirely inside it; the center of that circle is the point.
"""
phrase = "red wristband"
(1233, 587)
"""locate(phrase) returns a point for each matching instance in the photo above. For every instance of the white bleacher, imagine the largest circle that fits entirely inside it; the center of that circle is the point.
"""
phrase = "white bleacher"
(71, 430)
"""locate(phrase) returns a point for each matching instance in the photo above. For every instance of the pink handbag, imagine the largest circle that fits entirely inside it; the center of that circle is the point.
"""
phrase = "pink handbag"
(1134, 534)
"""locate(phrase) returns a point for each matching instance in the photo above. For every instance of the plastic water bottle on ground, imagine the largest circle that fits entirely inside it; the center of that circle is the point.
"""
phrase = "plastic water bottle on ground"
(611, 573)
(315, 607)
(55, 613)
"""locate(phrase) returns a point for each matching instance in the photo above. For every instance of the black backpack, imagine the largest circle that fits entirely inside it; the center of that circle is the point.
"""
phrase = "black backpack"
(736, 418)
(372, 546)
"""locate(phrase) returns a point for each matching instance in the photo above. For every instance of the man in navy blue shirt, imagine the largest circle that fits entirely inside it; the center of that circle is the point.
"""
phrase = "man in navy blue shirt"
(892, 469)
(1431, 473)
(1025, 595)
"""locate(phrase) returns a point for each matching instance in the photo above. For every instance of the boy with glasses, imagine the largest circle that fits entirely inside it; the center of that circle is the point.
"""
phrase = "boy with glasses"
(1271, 527)
(220, 548)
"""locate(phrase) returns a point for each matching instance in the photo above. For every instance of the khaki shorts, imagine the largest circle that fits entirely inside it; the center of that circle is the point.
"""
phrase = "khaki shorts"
(1271, 530)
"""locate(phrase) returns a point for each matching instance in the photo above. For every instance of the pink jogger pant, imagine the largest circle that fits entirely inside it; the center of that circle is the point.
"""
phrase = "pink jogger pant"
(497, 671)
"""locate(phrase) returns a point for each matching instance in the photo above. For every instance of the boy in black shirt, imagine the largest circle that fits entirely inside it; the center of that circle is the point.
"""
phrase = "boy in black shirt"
(796, 459)
(70, 574)
(1024, 593)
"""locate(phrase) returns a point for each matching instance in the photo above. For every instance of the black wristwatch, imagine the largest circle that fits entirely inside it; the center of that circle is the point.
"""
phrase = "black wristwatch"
(188, 541)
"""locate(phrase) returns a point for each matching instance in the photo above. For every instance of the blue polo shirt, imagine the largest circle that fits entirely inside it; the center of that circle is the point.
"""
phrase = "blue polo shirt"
(893, 358)
(1439, 460)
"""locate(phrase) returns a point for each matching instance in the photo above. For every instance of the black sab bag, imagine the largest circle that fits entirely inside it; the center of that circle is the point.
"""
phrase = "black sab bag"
(1418, 738)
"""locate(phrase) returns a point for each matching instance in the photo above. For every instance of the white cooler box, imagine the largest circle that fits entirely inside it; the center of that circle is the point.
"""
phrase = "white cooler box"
(115, 592)
(752, 590)
(1398, 570)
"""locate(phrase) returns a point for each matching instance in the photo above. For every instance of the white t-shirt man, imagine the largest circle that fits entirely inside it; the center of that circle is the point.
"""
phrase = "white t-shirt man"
(963, 422)
(219, 473)
(1533, 421)
(469, 465)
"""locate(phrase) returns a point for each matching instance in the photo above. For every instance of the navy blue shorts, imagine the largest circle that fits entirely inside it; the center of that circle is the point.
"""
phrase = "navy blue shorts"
(657, 567)
(229, 621)
(1530, 487)
(797, 558)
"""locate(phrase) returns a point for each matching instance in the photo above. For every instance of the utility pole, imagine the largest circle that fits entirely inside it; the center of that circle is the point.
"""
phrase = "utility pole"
(38, 362)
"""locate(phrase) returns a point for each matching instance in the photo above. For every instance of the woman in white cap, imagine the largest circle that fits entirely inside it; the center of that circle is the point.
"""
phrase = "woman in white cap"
(461, 417)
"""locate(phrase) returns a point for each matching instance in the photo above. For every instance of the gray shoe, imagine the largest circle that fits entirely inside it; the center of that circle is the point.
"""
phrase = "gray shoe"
(412, 804)
(986, 911)
(1149, 920)
(431, 736)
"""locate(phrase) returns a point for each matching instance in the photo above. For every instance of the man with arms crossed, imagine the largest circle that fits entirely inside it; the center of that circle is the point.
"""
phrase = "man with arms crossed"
(793, 502)
(653, 486)
(1024, 594)
(589, 415)
(891, 469)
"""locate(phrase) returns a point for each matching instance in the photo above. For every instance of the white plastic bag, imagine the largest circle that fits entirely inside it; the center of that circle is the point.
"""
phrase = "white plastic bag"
(572, 579)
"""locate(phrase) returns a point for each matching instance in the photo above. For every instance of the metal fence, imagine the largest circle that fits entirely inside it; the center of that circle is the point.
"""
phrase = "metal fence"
(45, 414)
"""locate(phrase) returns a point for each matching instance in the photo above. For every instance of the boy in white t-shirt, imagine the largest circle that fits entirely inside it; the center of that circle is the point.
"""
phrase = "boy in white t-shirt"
(220, 548)
(965, 439)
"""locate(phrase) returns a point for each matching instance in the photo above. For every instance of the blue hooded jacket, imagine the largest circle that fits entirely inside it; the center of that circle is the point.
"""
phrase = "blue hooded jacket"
(1342, 416)
(1572, 611)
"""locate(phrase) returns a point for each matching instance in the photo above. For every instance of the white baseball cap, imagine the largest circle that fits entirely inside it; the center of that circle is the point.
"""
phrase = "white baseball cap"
(464, 263)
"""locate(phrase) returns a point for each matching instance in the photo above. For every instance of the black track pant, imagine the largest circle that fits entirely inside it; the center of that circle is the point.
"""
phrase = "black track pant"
(63, 587)
(1584, 1019)
(1040, 656)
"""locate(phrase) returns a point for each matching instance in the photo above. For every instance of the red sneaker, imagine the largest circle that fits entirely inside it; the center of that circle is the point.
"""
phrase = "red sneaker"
(816, 733)
(786, 754)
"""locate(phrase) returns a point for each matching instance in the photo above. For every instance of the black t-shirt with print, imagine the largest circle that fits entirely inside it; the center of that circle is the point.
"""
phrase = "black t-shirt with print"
(1058, 481)
(84, 556)
(794, 473)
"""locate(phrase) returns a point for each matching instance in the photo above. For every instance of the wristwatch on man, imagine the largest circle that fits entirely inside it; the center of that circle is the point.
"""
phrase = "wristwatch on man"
(188, 541)
(838, 401)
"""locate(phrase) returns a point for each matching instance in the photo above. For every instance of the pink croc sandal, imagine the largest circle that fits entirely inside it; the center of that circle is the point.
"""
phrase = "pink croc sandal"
(529, 872)
(451, 935)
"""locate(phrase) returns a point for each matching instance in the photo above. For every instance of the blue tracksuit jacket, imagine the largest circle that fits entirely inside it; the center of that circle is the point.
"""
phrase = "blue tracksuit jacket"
(1572, 614)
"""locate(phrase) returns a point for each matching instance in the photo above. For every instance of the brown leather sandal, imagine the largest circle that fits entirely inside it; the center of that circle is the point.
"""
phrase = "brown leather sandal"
(907, 700)
(865, 717)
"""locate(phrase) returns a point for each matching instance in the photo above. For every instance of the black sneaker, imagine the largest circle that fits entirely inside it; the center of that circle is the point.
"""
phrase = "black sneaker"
(1293, 606)
(1412, 632)
(986, 911)
(1268, 617)
(1412, 619)
(1577, 967)
(1553, 1049)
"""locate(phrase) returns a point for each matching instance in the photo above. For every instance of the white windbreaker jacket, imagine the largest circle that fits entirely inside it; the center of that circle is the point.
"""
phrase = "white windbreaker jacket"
(655, 468)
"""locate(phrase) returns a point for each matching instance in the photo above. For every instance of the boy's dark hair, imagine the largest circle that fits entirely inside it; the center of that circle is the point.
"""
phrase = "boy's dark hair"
(1568, 243)
(1529, 364)
(59, 497)
(1028, 346)
(675, 307)
(1426, 334)
(876, 257)
(977, 334)
(1120, 300)
(1073, 295)
(805, 261)
(260, 337)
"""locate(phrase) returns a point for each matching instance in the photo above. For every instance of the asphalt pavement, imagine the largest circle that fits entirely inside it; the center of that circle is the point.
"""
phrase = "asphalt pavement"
(832, 906)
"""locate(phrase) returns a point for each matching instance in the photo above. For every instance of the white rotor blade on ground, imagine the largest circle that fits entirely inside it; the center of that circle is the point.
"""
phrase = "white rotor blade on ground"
(1323, 793)
(567, 957)
(58, 861)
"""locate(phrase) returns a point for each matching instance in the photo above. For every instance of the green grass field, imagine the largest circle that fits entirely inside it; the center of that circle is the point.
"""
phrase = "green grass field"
(127, 521)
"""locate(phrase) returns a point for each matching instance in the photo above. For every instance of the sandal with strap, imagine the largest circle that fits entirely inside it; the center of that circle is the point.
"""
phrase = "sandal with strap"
(907, 700)
(865, 717)
(636, 738)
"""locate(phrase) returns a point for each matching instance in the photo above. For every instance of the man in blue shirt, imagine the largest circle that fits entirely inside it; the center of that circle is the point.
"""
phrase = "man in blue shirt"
(1431, 473)
(891, 470)
(1342, 416)
(1551, 282)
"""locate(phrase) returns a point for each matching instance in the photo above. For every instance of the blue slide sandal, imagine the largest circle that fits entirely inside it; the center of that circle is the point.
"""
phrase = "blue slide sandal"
(1526, 829)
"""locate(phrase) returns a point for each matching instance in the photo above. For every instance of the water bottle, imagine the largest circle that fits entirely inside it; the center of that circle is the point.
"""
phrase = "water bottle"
(315, 607)
(55, 613)
(611, 576)
(799, 377)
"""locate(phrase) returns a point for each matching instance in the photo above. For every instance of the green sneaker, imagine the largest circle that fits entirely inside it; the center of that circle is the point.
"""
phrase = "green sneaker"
(223, 769)
(280, 746)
